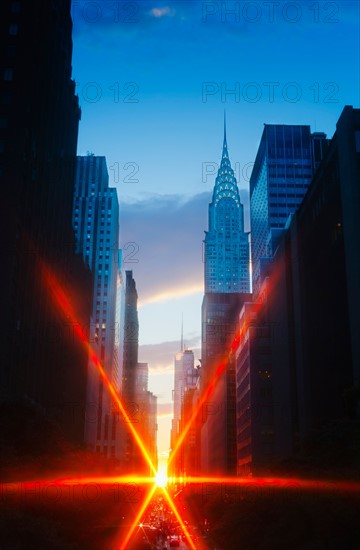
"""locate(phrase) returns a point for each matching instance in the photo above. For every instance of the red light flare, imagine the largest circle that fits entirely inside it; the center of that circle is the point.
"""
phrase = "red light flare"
(256, 482)
(62, 301)
(282, 483)
(82, 480)
(279, 483)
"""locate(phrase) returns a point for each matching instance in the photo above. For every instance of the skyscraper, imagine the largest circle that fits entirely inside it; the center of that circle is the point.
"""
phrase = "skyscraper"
(131, 338)
(185, 378)
(226, 243)
(227, 286)
(285, 163)
(96, 225)
(144, 416)
(39, 115)
(298, 359)
(139, 402)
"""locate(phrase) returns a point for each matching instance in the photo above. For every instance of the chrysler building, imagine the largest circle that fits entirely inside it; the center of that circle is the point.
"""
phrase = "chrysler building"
(226, 243)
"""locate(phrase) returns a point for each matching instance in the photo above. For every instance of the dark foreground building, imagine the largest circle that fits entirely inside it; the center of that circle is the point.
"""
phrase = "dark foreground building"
(327, 292)
(299, 358)
(42, 362)
(220, 313)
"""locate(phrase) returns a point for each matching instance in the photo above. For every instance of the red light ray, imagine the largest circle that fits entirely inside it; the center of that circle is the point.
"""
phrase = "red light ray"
(178, 517)
(142, 510)
(84, 480)
(62, 301)
(276, 482)
(279, 483)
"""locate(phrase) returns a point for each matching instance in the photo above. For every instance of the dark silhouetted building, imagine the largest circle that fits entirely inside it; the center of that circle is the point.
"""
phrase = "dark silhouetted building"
(43, 363)
(131, 338)
(139, 402)
(220, 313)
(145, 419)
(298, 359)
(326, 293)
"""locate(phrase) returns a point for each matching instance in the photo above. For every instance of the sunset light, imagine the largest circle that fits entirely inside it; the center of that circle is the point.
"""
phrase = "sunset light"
(179, 290)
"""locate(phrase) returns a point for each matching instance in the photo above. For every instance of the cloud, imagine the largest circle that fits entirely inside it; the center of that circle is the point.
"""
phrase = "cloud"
(161, 238)
(171, 294)
(162, 242)
(161, 12)
(128, 18)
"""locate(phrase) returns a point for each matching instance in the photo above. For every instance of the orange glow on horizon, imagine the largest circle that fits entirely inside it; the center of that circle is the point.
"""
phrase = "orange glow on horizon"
(276, 482)
(161, 479)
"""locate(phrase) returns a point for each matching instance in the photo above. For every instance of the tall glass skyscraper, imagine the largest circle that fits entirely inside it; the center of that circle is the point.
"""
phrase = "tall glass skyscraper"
(226, 243)
(285, 163)
(96, 226)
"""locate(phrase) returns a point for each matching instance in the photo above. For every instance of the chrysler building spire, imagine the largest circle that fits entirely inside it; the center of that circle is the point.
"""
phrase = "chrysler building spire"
(226, 243)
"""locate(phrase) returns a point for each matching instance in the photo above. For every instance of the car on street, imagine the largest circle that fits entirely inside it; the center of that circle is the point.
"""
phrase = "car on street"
(174, 541)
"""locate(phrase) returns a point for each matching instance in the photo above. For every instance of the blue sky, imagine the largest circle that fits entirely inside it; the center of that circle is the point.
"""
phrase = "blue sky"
(153, 78)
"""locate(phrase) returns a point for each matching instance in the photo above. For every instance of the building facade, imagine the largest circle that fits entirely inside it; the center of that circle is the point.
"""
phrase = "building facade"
(227, 285)
(283, 169)
(96, 226)
(226, 244)
(327, 299)
(220, 313)
(131, 338)
(140, 403)
(185, 379)
(43, 363)
(297, 362)
(144, 415)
